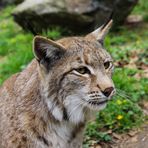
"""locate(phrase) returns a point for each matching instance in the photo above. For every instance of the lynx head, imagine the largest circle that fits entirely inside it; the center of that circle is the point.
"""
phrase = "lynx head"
(75, 74)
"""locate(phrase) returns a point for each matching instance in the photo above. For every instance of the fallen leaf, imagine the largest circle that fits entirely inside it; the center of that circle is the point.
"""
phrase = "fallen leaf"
(143, 74)
(117, 136)
(132, 133)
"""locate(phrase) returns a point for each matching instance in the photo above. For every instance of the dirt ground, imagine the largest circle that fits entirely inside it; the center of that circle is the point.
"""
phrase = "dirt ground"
(133, 139)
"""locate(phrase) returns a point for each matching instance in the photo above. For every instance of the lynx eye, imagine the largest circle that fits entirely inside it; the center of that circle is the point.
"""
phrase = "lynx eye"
(107, 64)
(83, 70)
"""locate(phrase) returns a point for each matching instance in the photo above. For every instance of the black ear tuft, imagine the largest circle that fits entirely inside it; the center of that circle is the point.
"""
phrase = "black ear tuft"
(108, 20)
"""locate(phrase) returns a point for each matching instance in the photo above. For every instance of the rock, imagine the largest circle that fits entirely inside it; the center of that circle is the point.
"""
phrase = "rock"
(8, 2)
(79, 16)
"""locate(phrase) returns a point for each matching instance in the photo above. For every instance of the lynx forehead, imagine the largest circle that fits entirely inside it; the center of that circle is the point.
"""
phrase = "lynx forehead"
(48, 104)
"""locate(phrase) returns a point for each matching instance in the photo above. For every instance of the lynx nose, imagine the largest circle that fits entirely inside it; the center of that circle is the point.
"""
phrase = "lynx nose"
(108, 91)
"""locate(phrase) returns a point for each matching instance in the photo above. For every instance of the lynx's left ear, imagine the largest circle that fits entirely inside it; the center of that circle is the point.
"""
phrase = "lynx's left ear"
(46, 51)
(100, 33)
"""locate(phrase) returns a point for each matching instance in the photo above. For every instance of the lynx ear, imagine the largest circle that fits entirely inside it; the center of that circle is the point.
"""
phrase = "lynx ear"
(47, 51)
(100, 33)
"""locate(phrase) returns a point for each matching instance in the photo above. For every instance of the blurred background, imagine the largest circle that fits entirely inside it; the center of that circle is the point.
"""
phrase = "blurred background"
(125, 120)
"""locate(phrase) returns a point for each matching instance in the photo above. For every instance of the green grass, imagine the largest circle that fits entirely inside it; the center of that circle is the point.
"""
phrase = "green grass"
(16, 45)
(142, 9)
(122, 112)
(119, 116)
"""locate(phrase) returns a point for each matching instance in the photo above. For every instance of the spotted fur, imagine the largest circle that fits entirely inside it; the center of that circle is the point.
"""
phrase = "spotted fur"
(48, 104)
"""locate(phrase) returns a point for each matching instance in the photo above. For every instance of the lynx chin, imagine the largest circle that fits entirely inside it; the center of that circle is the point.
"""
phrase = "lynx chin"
(48, 104)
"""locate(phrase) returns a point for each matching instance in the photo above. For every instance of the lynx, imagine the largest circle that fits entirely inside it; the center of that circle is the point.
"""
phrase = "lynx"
(48, 104)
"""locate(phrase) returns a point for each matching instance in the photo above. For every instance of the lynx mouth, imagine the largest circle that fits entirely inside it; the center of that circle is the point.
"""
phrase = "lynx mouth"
(97, 103)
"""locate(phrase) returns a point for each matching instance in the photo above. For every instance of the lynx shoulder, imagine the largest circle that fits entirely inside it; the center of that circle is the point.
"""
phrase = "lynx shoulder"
(48, 104)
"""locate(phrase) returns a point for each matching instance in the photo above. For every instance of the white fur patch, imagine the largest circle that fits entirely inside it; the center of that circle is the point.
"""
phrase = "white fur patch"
(55, 110)
(57, 113)
(74, 106)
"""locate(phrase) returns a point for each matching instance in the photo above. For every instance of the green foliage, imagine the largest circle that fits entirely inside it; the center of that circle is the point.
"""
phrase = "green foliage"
(141, 8)
(16, 45)
(53, 33)
(93, 132)
(134, 89)
(15, 51)
(120, 115)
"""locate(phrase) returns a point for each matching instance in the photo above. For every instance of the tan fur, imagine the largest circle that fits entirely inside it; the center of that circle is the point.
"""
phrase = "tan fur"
(46, 105)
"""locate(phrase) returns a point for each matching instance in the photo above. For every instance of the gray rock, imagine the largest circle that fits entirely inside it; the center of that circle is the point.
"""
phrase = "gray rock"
(79, 16)
(4, 3)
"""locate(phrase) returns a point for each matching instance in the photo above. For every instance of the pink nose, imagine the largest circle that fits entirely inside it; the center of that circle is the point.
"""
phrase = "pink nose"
(108, 91)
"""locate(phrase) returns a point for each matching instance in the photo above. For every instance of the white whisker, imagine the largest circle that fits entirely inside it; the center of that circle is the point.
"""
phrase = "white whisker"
(122, 96)
(123, 93)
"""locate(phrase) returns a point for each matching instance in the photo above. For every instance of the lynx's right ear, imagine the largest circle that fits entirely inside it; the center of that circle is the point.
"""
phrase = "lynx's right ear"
(47, 51)
(100, 33)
